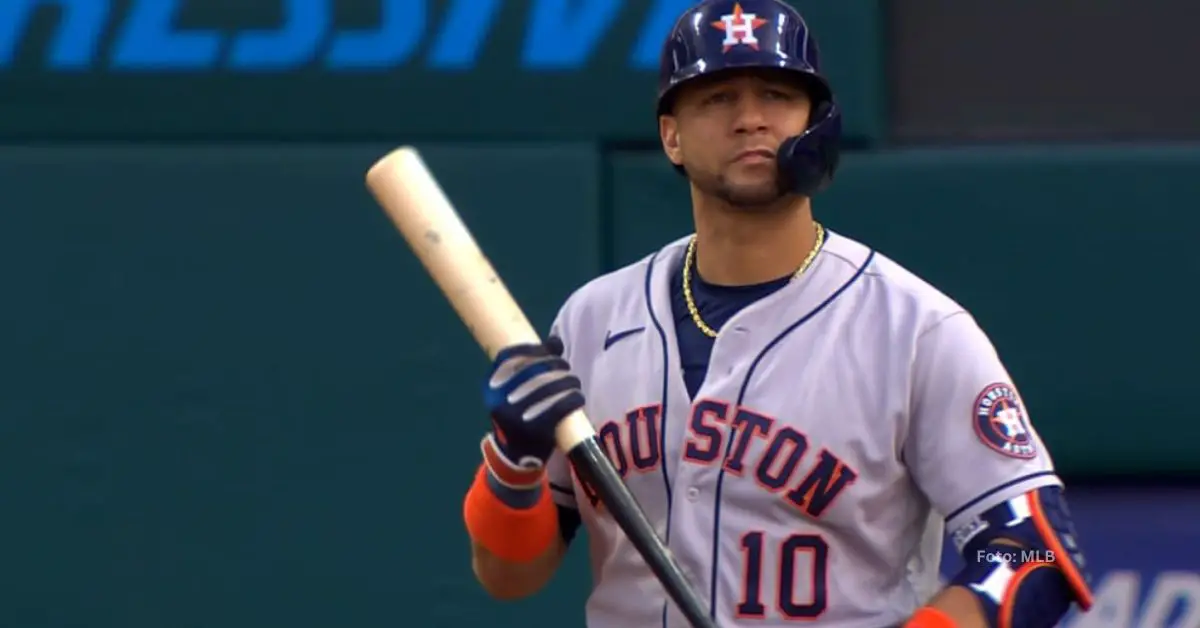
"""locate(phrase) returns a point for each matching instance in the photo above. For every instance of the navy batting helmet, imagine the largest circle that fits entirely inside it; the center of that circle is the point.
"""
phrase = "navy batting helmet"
(722, 35)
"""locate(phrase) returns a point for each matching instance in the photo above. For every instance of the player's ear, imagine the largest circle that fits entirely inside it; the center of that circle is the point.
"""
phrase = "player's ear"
(668, 131)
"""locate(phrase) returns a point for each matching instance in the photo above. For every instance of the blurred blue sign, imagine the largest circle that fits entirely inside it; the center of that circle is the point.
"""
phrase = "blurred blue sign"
(558, 34)
(553, 70)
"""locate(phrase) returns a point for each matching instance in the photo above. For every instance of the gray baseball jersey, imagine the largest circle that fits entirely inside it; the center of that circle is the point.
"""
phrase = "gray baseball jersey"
(845, 422)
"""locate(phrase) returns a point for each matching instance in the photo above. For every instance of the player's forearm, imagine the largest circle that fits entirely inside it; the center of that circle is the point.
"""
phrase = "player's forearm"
(514, 534)
(956, 607)
(508, 580)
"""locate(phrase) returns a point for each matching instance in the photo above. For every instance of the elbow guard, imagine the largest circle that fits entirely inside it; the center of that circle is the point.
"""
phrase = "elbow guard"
(1023, 561)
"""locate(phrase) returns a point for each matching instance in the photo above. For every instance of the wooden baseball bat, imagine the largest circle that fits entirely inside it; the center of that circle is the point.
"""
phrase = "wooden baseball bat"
(410, 195)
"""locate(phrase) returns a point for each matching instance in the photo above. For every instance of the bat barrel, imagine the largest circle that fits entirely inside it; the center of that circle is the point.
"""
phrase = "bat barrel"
(420, 210)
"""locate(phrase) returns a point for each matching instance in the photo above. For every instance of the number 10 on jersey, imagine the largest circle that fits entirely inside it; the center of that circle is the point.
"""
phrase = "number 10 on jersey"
(764, 561)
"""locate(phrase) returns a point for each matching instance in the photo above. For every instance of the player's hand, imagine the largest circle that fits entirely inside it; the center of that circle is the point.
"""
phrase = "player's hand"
(529, 390)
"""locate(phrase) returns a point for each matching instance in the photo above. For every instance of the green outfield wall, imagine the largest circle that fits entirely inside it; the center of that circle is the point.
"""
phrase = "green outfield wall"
(227, 374)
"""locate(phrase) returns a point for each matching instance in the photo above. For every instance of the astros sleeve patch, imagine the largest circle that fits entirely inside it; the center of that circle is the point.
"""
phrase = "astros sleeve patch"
(1000, 421)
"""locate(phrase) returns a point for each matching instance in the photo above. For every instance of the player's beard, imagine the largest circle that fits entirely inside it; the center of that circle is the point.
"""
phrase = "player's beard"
(750, 197)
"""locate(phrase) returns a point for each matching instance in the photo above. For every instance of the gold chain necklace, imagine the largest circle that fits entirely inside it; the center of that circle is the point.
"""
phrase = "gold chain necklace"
(687, 283)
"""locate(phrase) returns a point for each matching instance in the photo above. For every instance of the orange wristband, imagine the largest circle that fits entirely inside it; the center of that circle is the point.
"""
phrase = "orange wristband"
(930, 617)
(514, 535)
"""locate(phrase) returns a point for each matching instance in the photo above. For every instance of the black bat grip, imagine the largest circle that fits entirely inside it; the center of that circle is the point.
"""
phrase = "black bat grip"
(595, 469)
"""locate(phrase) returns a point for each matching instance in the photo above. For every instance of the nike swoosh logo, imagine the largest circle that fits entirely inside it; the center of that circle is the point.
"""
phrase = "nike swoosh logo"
(611, 338)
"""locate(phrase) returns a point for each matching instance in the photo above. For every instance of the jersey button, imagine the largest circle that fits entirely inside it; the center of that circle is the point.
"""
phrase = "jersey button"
(693, 493)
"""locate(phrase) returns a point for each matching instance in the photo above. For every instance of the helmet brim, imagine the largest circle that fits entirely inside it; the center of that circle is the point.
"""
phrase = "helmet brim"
(815, 85)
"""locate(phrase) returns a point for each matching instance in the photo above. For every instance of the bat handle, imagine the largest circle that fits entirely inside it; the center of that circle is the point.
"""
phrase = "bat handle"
(593, 467)
(574, 429)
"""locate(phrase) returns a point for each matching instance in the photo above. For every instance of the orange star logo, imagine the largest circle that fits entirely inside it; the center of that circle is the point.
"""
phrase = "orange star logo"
(739, 28)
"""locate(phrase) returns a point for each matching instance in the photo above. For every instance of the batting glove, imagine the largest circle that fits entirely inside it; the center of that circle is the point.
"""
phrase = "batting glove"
(529, 390)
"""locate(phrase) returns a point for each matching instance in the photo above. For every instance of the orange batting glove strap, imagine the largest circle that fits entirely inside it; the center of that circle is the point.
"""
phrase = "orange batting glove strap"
(511, 534)
(930, 617)
(524, 475)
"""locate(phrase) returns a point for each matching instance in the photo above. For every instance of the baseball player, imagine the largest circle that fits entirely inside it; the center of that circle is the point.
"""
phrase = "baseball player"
(802, 418)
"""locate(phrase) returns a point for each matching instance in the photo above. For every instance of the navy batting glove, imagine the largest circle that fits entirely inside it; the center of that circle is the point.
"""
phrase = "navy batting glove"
(528, 391)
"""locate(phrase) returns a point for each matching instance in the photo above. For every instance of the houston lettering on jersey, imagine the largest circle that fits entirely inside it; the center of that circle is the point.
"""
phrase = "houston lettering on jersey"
(808, 483)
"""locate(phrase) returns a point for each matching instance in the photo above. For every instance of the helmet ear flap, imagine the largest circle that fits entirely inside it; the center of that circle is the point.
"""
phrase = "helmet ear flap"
(807, 162)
